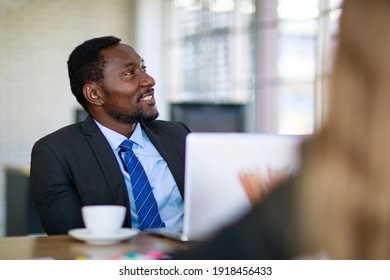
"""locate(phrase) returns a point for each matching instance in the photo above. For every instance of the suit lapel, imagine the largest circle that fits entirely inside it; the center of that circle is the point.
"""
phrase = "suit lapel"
(106, 159)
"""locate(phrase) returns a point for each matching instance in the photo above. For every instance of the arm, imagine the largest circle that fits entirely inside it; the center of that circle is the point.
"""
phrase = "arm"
(55, 196)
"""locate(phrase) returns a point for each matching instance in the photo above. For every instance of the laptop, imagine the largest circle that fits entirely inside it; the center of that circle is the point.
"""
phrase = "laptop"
(214, 197)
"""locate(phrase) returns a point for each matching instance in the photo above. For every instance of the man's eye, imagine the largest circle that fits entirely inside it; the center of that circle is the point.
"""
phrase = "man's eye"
(144, 68)
(130, 72)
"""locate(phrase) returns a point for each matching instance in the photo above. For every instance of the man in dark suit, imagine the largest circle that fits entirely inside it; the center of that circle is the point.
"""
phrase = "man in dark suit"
(81, 164)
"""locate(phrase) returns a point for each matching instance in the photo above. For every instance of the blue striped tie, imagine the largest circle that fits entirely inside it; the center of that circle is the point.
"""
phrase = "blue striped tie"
(145, 202)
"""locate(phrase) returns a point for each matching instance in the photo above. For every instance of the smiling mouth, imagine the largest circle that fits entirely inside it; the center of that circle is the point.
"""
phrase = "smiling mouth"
(148, 95)
(146, 98)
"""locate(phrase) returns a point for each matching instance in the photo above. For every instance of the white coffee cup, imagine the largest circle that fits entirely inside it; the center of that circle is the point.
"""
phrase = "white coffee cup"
(103, 219)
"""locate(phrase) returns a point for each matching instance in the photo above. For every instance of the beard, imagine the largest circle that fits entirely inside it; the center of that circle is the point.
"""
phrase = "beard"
(139, 115)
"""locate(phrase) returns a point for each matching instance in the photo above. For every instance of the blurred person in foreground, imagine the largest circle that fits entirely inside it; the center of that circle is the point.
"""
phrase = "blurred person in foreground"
(85, 164)
(338, 204)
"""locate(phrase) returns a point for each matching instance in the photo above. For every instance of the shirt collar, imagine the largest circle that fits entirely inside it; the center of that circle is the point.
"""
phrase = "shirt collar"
(137, 137)
(115, 139)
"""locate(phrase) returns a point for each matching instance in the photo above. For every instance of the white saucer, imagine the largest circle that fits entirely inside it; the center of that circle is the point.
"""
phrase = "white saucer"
(102, 239)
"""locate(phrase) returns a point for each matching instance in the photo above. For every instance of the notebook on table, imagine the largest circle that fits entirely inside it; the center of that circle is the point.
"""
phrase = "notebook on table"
(214, 196)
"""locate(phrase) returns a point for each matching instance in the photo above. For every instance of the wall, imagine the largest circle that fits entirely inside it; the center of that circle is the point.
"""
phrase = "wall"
(149, 36)
(36, 38)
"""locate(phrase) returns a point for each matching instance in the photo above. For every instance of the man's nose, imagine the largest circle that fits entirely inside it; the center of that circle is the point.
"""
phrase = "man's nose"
(147, 80)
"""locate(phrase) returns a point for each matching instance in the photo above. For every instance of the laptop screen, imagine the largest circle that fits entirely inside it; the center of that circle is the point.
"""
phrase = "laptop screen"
(214, 196)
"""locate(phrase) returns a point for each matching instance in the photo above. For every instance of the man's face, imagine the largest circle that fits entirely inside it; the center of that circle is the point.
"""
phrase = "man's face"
(127, 89)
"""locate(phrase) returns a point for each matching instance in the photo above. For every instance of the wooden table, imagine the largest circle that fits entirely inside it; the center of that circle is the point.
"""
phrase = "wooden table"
(64, 247)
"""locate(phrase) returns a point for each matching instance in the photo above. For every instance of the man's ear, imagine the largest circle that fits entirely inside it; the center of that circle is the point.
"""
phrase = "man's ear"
(92, 95)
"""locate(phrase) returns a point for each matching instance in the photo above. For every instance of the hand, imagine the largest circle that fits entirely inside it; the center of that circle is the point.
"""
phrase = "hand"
(257, 185)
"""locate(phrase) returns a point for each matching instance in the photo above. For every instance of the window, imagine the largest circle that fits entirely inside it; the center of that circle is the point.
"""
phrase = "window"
(271, 55)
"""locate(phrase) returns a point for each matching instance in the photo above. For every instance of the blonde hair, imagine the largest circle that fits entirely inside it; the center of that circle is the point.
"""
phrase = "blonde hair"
(345, 180)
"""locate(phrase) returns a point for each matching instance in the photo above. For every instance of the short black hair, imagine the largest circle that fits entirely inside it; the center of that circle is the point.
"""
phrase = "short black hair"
(85, 64)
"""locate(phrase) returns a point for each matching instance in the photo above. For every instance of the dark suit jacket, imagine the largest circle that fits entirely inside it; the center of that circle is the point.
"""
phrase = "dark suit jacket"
(76, 166)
